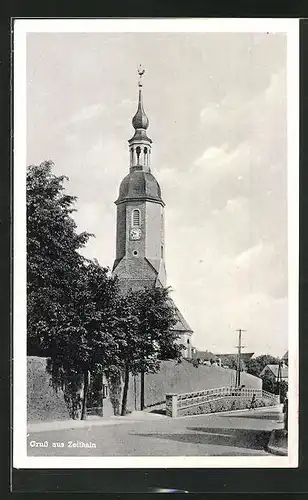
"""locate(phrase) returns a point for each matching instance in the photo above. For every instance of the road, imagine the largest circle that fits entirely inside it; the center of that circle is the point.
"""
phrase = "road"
(240, 433)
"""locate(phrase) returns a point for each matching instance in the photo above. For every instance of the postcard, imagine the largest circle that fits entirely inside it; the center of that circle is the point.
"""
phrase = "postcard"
(155, 263)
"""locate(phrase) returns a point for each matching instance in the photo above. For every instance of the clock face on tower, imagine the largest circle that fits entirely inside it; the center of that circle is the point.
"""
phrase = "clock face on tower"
(135, 233)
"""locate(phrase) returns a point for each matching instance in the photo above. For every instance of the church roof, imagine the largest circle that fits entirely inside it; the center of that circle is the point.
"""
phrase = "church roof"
(139, 185)
(140, 135)
(181, 324)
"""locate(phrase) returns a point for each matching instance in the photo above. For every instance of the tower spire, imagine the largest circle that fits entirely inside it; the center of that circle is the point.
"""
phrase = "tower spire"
(140, 143)
(141, 72)
(140, 120)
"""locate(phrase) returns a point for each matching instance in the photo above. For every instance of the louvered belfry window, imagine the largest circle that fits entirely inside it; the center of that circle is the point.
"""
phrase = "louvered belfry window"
(136, 217)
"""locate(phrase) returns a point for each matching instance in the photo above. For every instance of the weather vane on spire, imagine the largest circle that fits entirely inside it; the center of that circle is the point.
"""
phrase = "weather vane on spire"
(141, 72)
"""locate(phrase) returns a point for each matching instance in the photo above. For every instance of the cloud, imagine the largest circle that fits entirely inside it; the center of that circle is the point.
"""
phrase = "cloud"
(227, 247)
(211, 112)
(232, 293)
(85, 114)
(127, 103)
(253, 119)
(213, 156)
(218, 124)
(246, 258)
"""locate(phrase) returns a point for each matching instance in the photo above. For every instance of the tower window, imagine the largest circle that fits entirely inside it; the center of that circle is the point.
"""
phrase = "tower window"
(145, 151)
(136, 217)
(161, 252)
(138, 151)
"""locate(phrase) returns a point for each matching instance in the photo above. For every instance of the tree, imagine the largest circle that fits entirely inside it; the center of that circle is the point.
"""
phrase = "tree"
(257, 364)
(76, 316)
(53, 260)
(283, 390)
(86, 344)
(271, 384)
(232, 360)
(146, 321)
(196, 362)
(71, 300)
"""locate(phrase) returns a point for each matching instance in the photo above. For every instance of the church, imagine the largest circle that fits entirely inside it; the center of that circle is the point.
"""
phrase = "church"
(140, 232)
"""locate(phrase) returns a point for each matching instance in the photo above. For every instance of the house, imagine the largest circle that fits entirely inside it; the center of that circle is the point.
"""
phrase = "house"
(285, 358)
(245, 357)
(206, 357)
(274, 371)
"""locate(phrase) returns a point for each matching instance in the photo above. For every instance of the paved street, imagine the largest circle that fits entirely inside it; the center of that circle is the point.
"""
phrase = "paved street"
(241, 433)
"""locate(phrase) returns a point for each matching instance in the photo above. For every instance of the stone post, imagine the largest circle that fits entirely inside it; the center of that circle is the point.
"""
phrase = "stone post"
(171, 405)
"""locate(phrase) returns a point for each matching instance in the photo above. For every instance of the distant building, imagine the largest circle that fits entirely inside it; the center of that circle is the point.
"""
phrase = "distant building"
(245, 357)
(185, 332)
(285, 358)
(206, 357)
(273, 370)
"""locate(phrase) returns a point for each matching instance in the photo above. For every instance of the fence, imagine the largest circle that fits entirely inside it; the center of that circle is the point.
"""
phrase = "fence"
(177, 403)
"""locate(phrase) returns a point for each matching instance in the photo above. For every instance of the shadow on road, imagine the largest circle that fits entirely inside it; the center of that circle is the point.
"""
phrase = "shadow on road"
(161, 411)
(238, 438)
(261, 416)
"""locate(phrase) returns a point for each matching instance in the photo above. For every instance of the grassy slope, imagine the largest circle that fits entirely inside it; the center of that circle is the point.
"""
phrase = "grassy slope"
(184, 377)
(43, 403)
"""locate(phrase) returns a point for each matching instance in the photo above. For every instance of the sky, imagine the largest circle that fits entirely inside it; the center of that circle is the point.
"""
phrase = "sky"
(216, 103)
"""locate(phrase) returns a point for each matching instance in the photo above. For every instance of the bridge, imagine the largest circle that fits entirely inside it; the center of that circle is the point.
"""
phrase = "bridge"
(218, 399)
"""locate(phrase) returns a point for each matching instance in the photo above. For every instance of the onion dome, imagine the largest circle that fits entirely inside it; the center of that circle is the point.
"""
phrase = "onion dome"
(140, 119)
(139, 185)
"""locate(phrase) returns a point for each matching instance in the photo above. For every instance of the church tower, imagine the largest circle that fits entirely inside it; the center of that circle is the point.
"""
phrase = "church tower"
(140, 235)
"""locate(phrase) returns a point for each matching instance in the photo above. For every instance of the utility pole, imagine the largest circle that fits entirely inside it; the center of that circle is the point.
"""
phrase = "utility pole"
(279, 378)
(239, 352)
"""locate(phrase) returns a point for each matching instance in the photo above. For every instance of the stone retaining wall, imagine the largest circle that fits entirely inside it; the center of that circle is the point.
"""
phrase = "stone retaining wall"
(181, 378)
(227, 403)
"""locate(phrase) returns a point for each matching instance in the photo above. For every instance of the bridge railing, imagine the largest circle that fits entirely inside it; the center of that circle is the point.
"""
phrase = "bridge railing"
(178, 402)
(275, 398)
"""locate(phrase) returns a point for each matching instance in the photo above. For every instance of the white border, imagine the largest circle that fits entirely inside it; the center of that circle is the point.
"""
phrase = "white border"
(174, 25)
(21, 28)
(293, 237)
(19, 253)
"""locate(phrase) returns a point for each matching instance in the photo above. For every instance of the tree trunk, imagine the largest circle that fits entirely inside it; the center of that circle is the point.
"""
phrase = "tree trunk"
(135, 392)
(100, 403)
(125, 390)
(85, 392)
(142, 391)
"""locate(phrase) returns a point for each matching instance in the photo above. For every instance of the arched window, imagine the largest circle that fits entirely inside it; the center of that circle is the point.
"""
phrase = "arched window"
(138, 151)
(145, 152)
(136, 217)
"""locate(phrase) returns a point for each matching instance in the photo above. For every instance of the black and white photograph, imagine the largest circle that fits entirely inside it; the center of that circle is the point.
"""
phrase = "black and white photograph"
(155, 243)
